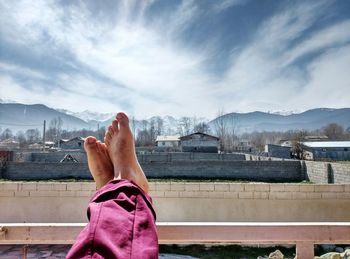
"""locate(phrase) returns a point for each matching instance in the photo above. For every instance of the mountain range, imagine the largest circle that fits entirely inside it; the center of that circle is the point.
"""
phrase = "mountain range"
(16, 116)
(260, 121)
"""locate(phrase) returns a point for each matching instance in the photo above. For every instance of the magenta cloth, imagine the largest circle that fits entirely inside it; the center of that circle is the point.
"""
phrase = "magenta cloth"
(121, 224)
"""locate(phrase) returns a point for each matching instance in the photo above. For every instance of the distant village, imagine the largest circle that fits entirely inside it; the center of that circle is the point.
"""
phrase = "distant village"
(331, 143)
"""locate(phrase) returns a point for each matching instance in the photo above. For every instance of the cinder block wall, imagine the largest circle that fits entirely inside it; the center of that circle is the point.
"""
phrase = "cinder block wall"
(45, 171)
(54, 157)
(274, 171)
(326, 172)
(341, 172)
(183, 201)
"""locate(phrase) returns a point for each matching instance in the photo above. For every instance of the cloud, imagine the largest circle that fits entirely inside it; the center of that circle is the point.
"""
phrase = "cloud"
(225, 4)
(115, 57)
(263, 76)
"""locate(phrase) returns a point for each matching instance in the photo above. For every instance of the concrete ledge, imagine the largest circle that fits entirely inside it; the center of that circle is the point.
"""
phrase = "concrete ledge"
(304, 235)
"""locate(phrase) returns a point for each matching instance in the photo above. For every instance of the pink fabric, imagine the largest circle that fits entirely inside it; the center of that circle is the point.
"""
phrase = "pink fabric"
(121, 225)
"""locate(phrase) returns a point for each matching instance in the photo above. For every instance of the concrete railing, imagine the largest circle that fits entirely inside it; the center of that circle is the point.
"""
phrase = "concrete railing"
(303, 235)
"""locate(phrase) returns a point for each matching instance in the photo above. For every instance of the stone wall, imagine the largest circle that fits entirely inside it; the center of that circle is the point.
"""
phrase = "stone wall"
(270, 171)
(183, 201)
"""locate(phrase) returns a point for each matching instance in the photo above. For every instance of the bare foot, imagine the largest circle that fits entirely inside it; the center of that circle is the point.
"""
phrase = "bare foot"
(121, 148)
(100, 164)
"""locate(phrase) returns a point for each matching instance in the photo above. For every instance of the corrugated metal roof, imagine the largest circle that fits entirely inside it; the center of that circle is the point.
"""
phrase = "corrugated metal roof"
(327, 143)
(168, 138)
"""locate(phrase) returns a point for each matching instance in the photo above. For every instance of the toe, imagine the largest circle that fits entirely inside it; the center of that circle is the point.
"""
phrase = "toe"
(108, 137)
(123, 119)
(110, 129)
(89, 143)
(115, 125)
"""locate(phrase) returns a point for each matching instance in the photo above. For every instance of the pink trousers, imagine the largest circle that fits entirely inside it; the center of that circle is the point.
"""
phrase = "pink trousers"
(121, 224)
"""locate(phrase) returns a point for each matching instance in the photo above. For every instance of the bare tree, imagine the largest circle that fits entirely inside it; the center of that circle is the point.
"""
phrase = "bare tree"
(33, 136)
(202, 127)
(55, 129)
(6, 134)
(159, 126)
(297, 148)
(21, 138)
(221, 129)
(334, 131)
(185, 124)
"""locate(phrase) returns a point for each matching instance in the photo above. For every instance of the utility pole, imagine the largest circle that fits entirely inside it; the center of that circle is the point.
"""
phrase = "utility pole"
(98, 132)
(44, 135)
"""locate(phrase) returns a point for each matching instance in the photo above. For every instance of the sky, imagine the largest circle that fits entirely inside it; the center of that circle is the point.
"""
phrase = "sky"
(179, 58)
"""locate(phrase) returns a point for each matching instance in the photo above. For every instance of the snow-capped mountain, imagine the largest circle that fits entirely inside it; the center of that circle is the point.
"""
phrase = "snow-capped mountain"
(88, 115)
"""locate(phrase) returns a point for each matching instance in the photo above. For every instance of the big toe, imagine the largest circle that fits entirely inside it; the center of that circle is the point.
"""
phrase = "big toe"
(90, 144)
(123, 120)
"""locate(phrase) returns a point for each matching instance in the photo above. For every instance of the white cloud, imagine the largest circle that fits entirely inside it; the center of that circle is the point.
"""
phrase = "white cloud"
(262, 78)
(225, 4)
(150, 74)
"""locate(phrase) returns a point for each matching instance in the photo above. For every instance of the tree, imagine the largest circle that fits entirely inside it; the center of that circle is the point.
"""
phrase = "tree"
(297, 148)
(159, 126)
(221, 129)
(33, 136)
(202, 127)
(55, 129)
(6, 134)
(334, 131)
(21, 138)
(185, 124)
(258, 140)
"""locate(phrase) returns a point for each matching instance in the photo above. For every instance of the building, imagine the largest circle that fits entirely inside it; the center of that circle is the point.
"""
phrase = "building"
(168, 141)
(9, 144)
(278, 151)
(243, 145)
(6, 155)
(199, 142)
(74, 143)
(326, 150)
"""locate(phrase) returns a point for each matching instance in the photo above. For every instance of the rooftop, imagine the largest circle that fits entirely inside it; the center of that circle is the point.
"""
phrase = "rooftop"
(327, 143)
(168, 138)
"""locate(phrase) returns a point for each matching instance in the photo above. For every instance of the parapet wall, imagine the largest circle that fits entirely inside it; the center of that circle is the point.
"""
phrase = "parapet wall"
(183, 201)
(270, 171)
